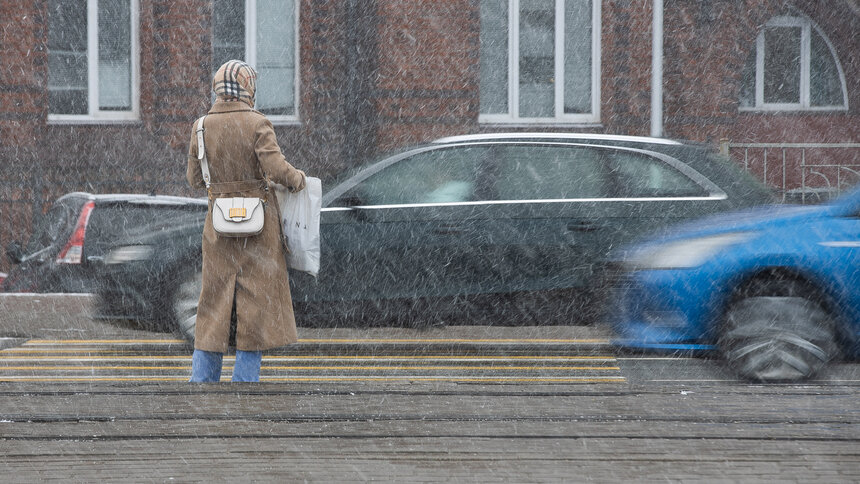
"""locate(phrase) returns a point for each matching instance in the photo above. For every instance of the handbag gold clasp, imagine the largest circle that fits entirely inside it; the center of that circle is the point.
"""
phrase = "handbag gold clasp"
(237, 212)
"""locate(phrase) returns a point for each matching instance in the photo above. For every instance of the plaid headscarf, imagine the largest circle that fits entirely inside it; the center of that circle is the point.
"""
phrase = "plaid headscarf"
(235, 81)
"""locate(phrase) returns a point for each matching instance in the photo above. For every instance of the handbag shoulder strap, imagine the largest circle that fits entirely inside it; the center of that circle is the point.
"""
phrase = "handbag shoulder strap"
(201, 152)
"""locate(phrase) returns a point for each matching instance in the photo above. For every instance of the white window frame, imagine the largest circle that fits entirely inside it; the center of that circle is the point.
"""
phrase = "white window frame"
(806, 27)
(512, 117)
(95, 114)
(251, 56)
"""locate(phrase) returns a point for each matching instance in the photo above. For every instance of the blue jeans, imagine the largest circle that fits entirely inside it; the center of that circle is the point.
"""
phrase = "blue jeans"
(206, 366)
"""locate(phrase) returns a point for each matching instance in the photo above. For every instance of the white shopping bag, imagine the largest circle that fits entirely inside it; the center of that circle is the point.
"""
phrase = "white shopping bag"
(300, 218)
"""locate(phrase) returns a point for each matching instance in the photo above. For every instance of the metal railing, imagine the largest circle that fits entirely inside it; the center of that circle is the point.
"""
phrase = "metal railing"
(803, 172)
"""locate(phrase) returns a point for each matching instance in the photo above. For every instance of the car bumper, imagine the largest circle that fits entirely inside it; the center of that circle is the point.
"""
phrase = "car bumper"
(663, 310)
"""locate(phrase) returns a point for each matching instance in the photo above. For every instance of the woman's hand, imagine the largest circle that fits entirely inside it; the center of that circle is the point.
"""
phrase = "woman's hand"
(301, 185)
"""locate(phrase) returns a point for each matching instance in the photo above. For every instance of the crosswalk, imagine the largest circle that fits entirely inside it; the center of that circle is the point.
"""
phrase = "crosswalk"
(550, 361)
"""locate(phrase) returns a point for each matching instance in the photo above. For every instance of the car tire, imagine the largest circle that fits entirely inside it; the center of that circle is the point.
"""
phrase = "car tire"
(184, 304)
(777, 332)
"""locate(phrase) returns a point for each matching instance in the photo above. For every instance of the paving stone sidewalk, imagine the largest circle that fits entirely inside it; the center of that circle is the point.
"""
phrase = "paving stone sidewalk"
(414, 432)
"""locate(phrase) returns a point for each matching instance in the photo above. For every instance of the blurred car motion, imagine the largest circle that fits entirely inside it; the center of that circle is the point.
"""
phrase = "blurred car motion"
(775, 289)
(70, 241)
(488, 229)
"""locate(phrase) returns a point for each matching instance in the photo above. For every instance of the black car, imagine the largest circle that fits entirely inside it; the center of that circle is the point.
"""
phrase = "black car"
(70, 241)
(493, 228)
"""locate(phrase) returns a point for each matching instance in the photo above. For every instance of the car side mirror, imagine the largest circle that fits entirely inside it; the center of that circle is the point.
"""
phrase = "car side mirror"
(14, 252)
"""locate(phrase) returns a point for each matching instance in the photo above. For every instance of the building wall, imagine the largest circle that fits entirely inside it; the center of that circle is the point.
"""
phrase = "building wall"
(376, 75)
(626, 67)
(426, 82)
(705, 54)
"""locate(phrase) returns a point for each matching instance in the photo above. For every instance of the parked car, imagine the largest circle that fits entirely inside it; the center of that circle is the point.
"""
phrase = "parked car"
(71, 239)
(488, 228)
(776, 290)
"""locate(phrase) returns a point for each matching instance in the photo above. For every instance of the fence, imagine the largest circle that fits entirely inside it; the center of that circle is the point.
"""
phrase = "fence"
(802, 172)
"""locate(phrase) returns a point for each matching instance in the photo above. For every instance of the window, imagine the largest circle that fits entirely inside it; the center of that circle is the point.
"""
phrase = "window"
(549, 173)
(793, 67)
(540, 61)
(92, 60)
(266, 38)
(640, 176)
(436, 176)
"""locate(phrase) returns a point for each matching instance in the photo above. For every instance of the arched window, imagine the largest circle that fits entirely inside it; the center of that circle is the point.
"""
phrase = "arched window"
(793, 67)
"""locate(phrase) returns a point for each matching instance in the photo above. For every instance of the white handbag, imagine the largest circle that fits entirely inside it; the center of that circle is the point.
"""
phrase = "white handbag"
(231, 216)
(237, 216)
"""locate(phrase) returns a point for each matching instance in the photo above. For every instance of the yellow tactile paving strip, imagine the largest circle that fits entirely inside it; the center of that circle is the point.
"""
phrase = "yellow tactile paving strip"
(160, 360)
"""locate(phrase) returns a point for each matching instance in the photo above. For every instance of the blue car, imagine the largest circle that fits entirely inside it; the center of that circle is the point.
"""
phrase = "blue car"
(775, 289)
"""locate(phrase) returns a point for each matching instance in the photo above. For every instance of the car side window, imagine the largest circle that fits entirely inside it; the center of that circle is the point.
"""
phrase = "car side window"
(640, 175)
(112, 222)
(437, 176)
(549, 172)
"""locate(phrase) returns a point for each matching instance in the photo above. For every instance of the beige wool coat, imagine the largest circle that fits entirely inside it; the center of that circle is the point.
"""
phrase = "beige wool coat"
(250, 272)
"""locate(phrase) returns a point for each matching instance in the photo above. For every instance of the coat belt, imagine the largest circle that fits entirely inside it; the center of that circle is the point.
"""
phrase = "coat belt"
(238, 186)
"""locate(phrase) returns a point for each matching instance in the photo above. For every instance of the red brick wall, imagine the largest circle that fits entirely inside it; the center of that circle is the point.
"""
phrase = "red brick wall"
(175, 67)
(704, 56)
(626, 67)
(23, 101)
(23, 72)
(705, 52)
(427, 78)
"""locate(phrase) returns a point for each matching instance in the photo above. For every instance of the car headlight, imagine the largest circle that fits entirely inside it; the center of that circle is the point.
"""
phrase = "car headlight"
(683, 254)
(128, 253)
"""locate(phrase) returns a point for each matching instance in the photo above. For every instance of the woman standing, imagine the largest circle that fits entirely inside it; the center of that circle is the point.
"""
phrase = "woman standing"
(245, 275)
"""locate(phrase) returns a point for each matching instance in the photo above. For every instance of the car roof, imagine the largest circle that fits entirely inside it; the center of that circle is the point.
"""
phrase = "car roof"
(555, 136)
(137, 198)
(670, 147)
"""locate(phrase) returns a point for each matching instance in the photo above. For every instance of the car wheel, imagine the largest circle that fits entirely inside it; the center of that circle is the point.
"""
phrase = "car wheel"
(777, 333)
(184, 307)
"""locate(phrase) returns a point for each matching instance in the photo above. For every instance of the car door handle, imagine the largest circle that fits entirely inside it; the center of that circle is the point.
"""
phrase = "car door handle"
(583, 226)
(448, 229)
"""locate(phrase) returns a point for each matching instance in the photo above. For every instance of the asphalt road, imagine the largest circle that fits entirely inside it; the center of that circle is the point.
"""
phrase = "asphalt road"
(85, 400)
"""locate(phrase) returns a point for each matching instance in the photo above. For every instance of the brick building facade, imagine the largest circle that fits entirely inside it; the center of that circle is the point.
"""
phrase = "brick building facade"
(376, 75)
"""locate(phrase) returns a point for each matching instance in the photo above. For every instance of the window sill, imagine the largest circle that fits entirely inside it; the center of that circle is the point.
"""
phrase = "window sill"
(794, 111)
(93, 121)
(541, 125)
(285, 122)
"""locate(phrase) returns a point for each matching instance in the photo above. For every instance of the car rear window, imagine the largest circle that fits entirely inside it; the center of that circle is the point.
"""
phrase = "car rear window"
(113, 222)
(55, 227)
(638, 175)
